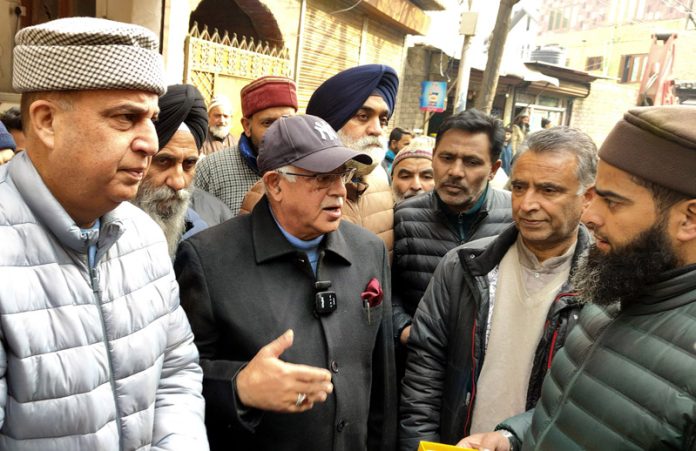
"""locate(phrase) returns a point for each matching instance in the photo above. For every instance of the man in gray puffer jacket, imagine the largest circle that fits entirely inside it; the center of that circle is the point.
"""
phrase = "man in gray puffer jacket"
(95, 351)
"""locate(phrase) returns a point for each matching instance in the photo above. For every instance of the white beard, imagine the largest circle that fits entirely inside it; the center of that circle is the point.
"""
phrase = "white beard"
(375, 147)
(398, 197)
(220, 132)
(167, 208)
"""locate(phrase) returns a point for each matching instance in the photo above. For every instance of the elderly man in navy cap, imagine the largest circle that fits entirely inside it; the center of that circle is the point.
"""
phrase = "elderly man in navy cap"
(95, 351)
(293, 321)
(358, 103)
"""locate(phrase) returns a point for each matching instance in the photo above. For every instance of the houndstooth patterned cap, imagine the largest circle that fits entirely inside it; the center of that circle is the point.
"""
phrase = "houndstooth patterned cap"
(80, 53)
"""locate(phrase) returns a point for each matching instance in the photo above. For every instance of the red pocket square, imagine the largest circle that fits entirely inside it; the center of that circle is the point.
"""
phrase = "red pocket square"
(373, 293)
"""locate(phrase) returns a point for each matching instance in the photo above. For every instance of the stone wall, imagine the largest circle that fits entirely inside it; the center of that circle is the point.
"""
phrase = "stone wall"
(422, 64)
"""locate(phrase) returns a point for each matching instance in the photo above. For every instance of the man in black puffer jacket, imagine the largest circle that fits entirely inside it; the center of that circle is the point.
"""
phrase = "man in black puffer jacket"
(463, 207)
(497, 310)
(625, 379)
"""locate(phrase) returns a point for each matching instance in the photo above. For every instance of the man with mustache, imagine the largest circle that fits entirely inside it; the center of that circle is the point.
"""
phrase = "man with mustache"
(358, 103)
(412, 171)
(219, 123)
(498, 309)
(462, 207)
(291, 310)
(230, 173)
(95, 351)
(167, 193)
(625, 378)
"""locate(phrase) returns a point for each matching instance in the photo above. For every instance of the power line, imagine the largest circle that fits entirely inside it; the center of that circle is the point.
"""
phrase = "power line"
(346, 9)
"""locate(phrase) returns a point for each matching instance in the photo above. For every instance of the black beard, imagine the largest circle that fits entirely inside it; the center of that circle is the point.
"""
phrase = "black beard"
(622, 275)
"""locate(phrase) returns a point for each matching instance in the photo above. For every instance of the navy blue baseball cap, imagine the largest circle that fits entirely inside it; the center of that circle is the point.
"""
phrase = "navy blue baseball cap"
(307, 142)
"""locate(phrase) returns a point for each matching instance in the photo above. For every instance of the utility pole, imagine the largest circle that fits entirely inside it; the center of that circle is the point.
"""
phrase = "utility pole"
(468, 29)
(489, 84)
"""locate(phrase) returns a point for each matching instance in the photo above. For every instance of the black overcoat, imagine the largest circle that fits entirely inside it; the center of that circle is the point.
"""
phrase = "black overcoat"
(243, 284)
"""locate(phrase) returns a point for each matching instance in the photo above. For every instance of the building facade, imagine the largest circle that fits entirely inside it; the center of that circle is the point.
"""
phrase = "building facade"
(612, 39)
(221, 45)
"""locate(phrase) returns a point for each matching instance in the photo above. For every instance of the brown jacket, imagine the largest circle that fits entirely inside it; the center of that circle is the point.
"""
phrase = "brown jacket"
(369, 204)
(212, 144)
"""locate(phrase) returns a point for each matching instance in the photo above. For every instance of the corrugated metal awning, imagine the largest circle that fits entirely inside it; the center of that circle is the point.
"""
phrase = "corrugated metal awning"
(531, 75)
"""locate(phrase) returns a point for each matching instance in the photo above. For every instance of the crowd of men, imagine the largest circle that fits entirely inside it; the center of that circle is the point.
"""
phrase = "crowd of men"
(313, 285)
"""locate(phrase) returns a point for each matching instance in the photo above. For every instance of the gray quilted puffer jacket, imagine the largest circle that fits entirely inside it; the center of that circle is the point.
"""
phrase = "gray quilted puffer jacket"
(90, 360)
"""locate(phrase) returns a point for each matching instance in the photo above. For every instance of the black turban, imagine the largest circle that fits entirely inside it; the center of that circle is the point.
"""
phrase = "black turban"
(339, 97)
(182, 103)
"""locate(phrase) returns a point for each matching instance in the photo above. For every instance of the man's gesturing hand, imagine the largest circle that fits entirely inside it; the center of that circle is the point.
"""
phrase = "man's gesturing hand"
(268, 383)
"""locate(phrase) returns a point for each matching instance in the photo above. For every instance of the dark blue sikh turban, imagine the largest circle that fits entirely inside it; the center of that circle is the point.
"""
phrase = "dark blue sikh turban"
(339, 97)
(182, 104)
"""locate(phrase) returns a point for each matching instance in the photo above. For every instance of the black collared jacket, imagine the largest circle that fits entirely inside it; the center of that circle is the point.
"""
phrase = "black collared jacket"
(446, 346)
(243, 284)
(424, 232)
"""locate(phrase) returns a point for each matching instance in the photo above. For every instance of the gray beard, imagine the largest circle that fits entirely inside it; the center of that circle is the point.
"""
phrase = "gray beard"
(167, 208)
(398, 197)
(375, 147)
(220, 132)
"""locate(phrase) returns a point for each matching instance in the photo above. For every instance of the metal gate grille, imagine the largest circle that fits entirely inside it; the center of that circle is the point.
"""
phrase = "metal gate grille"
(209, 57)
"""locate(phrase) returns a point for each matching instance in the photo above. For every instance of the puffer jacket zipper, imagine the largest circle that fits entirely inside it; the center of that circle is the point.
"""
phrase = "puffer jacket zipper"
(472, 394)
(556, 329)
(558, 323)
(553, 345)
(477, 347)
(94, 280)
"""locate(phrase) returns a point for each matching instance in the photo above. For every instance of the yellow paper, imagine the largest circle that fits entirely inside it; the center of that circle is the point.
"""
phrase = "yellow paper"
(432, 446)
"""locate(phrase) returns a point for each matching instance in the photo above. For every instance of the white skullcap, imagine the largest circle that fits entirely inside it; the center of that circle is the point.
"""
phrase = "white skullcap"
(220, 101)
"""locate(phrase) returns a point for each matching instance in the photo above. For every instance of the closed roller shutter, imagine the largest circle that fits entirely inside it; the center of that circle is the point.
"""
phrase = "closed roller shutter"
(384, 46)
(331, 43)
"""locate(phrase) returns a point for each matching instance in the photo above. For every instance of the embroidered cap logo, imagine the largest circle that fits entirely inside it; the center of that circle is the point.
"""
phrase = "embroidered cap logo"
(325, 130)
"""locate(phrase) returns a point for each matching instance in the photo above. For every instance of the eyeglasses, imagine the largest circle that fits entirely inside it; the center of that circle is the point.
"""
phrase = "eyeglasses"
(325, 179)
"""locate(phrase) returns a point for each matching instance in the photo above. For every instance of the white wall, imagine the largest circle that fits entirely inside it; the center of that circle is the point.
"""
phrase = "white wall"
(148, 13)
(176, 26)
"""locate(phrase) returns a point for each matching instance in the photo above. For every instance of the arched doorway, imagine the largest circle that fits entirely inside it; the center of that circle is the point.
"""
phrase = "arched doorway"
(235, 42)
(248, 18)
